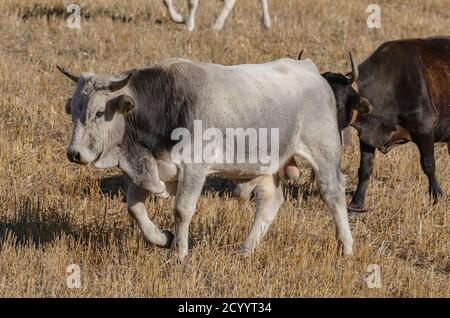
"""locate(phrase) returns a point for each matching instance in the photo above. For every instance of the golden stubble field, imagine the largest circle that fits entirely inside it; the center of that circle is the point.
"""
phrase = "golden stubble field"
(53, 213)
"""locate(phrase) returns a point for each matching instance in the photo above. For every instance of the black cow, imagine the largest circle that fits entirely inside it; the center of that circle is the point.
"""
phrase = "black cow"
(408, 85)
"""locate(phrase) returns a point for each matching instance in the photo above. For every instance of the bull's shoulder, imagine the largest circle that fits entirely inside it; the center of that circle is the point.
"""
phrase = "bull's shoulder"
(173, 61)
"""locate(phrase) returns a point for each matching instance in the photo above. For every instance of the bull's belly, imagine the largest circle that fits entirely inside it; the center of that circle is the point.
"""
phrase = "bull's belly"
(386, 148)
(442, 131)
(243, 171)
(391, 140)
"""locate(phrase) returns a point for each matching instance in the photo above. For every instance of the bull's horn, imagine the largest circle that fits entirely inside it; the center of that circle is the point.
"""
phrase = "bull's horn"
(355, 73)
(300, 55)
(67, 73)
(116, 85)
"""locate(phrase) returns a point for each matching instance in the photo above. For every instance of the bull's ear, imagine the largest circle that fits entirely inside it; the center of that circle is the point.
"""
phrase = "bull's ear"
(361, 104)
(124, 104)
(67, 107)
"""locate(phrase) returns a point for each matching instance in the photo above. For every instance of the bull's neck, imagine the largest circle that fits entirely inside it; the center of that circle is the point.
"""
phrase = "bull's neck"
(140, 166)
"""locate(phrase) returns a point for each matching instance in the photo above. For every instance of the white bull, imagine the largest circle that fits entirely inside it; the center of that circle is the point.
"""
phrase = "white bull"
(128, 121)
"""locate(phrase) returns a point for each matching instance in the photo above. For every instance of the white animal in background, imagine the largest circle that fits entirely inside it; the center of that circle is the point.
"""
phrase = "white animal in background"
(220, 21)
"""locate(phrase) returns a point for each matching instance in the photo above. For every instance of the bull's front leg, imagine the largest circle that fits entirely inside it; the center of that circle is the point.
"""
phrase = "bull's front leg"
(136, 197)
(192, 180)
(364, 173)
(269, 197)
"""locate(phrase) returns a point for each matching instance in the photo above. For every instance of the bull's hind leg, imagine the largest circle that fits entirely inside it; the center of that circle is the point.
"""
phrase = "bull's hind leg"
(174, 15)
(136, 197)
(269, 197)
(325, 160)
(425, 143)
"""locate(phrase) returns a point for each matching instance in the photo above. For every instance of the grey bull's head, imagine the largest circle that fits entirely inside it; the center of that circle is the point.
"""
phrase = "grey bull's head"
(97, 107)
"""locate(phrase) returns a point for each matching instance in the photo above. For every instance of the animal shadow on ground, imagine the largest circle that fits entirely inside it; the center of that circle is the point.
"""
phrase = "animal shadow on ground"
(60, 11)
(32, 224)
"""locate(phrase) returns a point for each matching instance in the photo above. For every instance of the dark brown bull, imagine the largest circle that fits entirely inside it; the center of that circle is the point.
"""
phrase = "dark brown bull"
(408, 85)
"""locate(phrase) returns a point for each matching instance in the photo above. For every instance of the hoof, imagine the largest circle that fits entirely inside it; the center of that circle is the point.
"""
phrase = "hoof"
(217, 27)
(163, 195)
(176, 257)
(267, 23)
(356, 209)
(347, 252)
(178, 19)
(190, 26)
(245, 253)
(168, 238)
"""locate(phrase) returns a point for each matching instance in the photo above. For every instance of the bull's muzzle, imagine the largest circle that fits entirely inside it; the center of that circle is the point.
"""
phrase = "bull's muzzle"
(74, 156)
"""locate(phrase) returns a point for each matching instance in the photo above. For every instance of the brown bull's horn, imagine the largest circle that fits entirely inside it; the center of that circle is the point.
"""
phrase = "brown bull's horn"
(300, 55)
(353, 76)
(67, 73)
(119, 84)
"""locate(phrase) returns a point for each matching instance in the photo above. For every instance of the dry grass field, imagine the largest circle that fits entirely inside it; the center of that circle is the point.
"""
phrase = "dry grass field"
(54, 213)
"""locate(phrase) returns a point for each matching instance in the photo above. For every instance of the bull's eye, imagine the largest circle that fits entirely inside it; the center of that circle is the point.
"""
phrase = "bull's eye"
(99, 114)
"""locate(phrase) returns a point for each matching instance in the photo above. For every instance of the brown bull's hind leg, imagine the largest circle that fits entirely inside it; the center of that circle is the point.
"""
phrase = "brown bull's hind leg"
(364, 173)
(425, 143)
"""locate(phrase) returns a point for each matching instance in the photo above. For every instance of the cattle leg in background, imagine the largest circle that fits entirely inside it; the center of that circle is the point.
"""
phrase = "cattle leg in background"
(266, 15)
(228, 7)
(193, 5)
(364, 173)
(174, 15)
(269, 197)
(220, 21)
(136, 197)
(192, 179)
(425, 143)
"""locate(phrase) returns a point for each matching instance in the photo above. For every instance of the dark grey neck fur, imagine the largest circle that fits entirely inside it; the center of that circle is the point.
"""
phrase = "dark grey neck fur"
(163, 102)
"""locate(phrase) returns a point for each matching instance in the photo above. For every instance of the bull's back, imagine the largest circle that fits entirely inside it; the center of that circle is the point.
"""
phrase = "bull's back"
(263, 95)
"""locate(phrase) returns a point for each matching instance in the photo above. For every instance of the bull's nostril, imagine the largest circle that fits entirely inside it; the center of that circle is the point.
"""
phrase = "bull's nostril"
(74, 156)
